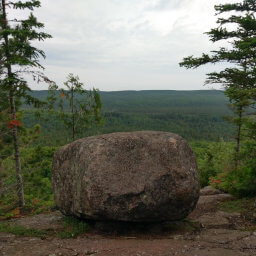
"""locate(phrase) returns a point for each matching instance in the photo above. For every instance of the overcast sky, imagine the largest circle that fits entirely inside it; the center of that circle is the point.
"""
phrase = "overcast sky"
(127, 44)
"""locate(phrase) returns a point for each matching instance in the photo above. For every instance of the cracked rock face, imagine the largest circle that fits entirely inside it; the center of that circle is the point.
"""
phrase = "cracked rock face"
(142, 176)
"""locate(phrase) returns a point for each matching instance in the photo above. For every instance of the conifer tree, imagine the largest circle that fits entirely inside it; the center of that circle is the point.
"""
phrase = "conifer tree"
(17, 59)
(79, 108)
(238, 30)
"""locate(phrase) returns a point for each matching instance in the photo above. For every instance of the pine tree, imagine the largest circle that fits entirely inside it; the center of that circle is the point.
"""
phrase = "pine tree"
(18, 58)
(238, 31)
(79, 108)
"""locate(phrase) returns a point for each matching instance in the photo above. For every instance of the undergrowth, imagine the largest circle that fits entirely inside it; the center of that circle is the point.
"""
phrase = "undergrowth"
(21, 231)
(73, 227)
(36, 165)
(238, 205)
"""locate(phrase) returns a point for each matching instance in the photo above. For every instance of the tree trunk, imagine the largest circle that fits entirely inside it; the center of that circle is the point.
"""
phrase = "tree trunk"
(73, 115)
(20, 190)
(238, 136)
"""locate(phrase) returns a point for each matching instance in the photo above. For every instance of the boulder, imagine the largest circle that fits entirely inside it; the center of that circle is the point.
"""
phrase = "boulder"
(144, 176)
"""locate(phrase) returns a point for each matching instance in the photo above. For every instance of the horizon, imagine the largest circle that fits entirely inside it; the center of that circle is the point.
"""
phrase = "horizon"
(220, 90)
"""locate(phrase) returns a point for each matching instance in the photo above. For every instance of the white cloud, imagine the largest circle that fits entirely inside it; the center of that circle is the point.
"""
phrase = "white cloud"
(128, 44)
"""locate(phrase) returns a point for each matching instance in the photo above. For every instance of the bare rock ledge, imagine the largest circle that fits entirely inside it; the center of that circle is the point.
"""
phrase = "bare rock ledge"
(144, 176)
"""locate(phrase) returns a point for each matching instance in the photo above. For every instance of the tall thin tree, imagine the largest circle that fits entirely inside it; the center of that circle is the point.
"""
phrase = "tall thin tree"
(79, 108)
(237, 29)
(18, 58)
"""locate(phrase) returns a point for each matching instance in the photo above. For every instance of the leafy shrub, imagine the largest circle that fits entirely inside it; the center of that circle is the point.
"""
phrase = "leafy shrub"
(73, 227)
(213, 158)
(37, 172)
(37, 165)
(240, 181)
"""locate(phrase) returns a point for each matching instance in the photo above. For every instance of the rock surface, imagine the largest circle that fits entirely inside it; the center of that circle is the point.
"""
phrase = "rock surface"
(213, 198)
(139, 176)
(236, 239)
(208, 190)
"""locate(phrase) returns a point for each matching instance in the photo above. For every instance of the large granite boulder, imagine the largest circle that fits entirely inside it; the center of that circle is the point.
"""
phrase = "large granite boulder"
(145, 176)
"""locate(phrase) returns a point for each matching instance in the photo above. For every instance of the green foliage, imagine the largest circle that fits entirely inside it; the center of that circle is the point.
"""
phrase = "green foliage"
(239, 78)
(16, 50)
(37, 164)
(216, 167)
(213, 158)
(238, 205)
(5, 136)
(21, 231)
(195, 115)
(79, 109)
(37, 177)
(242, 180)
(73, 227)
(26, 136)
(19, 57)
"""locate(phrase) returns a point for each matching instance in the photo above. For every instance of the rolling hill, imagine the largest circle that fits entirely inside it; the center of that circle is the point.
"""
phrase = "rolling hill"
(195, 115)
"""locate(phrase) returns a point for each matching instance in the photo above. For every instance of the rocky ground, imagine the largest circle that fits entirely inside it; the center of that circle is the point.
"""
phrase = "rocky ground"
(207, 231)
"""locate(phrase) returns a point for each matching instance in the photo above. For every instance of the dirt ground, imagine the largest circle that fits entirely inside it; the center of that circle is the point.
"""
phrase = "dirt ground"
(207, 231)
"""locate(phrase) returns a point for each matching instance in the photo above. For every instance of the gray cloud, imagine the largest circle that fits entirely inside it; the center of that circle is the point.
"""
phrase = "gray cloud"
(174, 4)
(130, 44)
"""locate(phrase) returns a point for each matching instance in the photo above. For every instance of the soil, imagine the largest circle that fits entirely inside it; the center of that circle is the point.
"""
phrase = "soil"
(207, 231)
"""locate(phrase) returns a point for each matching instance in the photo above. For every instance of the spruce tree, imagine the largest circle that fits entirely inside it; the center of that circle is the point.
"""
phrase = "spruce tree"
(237, 28)
(17, 59)
(79, 108)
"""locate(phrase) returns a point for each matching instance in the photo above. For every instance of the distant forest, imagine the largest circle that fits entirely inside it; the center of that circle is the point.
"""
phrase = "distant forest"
(195, 115)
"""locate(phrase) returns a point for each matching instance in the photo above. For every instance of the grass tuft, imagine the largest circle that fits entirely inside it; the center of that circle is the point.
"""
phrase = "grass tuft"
(21, 231)
(73, 227)
(239, 205)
